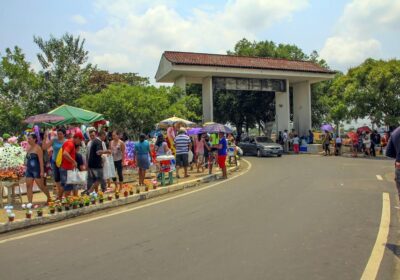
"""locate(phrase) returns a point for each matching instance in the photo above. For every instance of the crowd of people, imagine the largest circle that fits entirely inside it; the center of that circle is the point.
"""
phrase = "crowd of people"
(102, 155)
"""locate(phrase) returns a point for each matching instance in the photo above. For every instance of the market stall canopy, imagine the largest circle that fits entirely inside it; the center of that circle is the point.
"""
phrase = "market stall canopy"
(75, 115)
(175, 120)
(44, 118)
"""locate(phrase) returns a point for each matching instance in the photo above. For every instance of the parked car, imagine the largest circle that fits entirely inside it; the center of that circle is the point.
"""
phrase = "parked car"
(260, 146)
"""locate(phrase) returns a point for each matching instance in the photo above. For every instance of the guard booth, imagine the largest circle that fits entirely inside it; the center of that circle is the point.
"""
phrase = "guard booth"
(227, 72)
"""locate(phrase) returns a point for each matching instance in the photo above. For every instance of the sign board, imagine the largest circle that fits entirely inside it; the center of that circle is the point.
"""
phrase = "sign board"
(225, 83)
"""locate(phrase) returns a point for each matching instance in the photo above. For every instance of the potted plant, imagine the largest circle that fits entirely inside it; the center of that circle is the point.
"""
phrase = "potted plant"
(93, 197)
(10, 213)
(146, 189)
(130, 190)
(81, 202)
(86, 200)
(52, 207)
(74, 202)
(28, 211)
(66, 204)
(126, 193)
(101, 196)
(155, 184)
(138, 190)
(109, 197)
(116, 195)
(58, 206)
(39, 210)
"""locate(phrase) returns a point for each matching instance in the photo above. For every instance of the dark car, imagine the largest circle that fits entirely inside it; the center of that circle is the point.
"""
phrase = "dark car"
(260, 146)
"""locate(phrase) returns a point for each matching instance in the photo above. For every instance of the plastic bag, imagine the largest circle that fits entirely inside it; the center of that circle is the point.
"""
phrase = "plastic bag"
(76, 177)
(109, 168)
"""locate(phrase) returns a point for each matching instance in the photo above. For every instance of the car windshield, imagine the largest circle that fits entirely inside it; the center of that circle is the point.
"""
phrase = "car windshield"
(264, 140)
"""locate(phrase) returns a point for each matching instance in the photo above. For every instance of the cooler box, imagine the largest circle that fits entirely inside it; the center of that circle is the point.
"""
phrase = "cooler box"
(303, 149)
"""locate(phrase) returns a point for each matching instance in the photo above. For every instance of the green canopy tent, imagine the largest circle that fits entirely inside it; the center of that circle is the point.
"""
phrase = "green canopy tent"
(75, 115)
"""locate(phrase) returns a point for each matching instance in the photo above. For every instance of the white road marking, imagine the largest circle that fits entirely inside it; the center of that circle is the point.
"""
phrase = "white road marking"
(124, 211)
(372, 268)
(379, 177)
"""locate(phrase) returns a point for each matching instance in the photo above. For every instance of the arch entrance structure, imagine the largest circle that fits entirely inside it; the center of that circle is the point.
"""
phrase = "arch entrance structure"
(226, 72)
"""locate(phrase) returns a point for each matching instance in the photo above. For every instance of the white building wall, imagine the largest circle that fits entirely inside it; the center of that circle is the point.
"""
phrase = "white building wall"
(302, 107)
(282, 107)
(207, 100)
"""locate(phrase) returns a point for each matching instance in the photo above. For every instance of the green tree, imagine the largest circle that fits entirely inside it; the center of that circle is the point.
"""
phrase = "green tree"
(65, 71)
(100, 79)
(19, 90)
(373, 90)
(139, 108)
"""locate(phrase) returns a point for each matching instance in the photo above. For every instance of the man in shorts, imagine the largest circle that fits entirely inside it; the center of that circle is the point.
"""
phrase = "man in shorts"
(393, 151)
(182, 146)
(95, 162)
(69, 162)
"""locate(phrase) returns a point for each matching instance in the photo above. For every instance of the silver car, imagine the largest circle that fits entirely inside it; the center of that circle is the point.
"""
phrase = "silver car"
(260, 146)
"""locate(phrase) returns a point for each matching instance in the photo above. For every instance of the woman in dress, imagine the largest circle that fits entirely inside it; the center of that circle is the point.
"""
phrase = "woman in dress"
(34, 168)
(142, 151)
(199, 152)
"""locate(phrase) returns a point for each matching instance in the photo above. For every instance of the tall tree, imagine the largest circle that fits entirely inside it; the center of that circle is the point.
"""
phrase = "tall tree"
(19, 90)
(100, 79)
(65, 69)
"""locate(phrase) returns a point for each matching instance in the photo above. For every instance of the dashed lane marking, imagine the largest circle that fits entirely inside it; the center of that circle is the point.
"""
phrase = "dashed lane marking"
(379, 177)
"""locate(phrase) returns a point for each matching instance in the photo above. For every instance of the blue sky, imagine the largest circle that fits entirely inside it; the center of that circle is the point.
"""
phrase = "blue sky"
(130, 36)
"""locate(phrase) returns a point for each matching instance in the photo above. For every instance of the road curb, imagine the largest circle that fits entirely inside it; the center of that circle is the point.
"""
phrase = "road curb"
(52, 218)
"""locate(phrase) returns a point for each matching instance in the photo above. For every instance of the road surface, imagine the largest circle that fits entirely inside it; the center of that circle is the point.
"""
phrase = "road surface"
(295, 217)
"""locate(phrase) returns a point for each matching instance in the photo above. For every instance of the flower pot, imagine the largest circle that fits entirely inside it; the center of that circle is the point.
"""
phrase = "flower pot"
(28, 215)
(75, 206)
(87, 203)
(138, 191)
(146, 189)
(59, 209)
(81, 205)
(154, 187)
(101, 200)
(117, 196)
(93, 202)
(40, 214)
(130, 192)
(126, 194)
(11, 219)
(66, 208)
(109, 198)
(52, 211)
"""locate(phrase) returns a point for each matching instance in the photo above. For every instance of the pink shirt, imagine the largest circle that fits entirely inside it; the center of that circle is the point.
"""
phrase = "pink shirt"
(199, 146)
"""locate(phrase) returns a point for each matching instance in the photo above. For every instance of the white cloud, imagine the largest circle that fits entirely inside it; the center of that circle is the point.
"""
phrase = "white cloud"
(79, 19)
(360, 32)
(137, 32)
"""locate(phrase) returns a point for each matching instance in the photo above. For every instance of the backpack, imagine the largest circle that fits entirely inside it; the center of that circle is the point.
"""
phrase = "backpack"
(59, 157)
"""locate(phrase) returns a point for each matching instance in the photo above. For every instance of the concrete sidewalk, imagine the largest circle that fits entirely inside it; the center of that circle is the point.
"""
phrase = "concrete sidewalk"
(21, 221)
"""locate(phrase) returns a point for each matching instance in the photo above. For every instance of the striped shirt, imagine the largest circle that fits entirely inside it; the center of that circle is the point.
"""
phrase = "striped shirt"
(182, 142)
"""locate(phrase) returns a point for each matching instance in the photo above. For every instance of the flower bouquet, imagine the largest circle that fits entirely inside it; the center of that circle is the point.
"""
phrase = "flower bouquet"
(12, 162)
(52, 207)
(28, 210)
(10, 214)
(101, 196)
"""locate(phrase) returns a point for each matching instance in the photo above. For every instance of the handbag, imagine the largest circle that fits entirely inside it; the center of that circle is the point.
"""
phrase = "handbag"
(76, 177)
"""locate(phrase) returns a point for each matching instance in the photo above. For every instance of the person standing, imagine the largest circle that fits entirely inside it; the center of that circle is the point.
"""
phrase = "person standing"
(207, 153)
(367, 143)
(222, 152)
(69, 162)
(199, 150)
(117, 148)
(326, 141)
(34, 168)
(182, 146)
(142, 152)
(310, 137)
(285, 141)
(296, 144)
(95, 162)
(56, 144)
(338, 145)
(393, 151)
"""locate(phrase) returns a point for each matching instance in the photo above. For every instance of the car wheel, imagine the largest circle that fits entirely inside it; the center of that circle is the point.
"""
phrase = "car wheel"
(259, 153)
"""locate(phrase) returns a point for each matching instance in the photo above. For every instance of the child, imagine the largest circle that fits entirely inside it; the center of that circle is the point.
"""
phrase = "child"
(296, 144)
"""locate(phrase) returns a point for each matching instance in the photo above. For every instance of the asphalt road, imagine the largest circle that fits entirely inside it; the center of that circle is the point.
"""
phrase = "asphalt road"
(295, 217)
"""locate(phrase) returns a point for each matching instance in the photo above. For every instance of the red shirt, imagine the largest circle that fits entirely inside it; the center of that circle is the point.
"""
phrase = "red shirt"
(68, 147)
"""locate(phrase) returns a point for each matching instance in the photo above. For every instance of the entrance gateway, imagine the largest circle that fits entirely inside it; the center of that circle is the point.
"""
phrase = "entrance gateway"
(227, 72)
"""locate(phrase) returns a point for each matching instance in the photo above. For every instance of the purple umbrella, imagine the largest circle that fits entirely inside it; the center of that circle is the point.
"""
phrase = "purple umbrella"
(43, 118)
(216, 128)
(194, 131)
(326, 127)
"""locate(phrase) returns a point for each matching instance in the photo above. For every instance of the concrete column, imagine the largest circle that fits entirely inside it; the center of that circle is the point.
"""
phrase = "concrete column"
(282, 107)
(302, 107)
(181, 82)
(207, 100)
